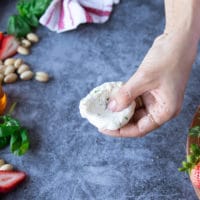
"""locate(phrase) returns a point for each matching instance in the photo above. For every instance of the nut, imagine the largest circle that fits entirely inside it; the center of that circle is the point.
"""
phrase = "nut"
(22, 68)
(41, 76)
(2, 162)
(9, 69)
(2, 69)
(22, 50)
(18, 62)
(6, 167)
(9, 61)
(27, 75)
(32, 37)
(10, 78)
(25, 43)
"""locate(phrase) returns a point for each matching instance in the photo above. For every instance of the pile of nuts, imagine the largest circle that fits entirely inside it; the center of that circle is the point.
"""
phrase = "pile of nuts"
(12, 68)
(4, 166)
(25, 43)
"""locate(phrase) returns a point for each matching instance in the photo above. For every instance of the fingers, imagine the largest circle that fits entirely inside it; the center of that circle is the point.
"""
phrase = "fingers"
(144, 125)
(136, 86)
(139, 103)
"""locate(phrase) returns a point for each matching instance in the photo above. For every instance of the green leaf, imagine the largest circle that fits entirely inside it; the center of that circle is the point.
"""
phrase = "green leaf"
(19, 142)
(4, 141)
(32, 10)
(18, 26)
(12, 132)
(194, 131)
(9, 121)
(186, 164)
(195, 150)
(36, 7)
(6, 131)
(191, 158)
(29, 13)
(182, 169)
(32, 20)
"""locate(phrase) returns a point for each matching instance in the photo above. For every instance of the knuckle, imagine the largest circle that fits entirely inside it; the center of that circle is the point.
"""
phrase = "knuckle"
(173, 110)
(141, 132)
(125, 96)
(142, 73)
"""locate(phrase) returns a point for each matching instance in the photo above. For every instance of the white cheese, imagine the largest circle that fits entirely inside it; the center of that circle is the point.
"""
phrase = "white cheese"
(94, 108)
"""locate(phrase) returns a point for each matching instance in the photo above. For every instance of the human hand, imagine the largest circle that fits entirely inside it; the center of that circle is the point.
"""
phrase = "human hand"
(160, 81)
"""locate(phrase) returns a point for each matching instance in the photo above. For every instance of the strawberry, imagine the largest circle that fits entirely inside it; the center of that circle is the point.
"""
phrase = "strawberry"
(10, 179)
(1, 37)
(195, 175)
(8, 46)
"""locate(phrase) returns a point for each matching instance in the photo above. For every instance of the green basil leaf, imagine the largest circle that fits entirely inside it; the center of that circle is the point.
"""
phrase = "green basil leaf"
(7, 130)
(35, 7)
(32, 20)
(12, 133)
(29, 13)
(18, 26)
(15, 142)
(19, 142)
(4, 141)
(9, 121)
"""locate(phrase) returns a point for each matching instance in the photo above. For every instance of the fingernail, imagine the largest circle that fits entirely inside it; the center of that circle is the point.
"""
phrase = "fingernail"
(112, 105)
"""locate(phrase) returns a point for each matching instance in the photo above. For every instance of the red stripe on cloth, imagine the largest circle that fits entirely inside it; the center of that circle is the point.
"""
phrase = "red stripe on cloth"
(50, 16)
(88, 17)
(61, 18)
(98, 12)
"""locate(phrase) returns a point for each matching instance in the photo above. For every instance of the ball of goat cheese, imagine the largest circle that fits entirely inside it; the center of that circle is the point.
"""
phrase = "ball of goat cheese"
(94, 108)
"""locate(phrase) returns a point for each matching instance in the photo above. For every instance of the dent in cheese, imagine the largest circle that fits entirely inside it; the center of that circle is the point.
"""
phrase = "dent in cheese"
(94, 108)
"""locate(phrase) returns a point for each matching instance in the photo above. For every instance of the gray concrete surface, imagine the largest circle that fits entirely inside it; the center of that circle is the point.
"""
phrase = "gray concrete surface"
(69, 159)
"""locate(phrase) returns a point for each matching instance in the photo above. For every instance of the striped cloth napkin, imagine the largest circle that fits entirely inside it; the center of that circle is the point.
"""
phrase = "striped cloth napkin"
(65, 15)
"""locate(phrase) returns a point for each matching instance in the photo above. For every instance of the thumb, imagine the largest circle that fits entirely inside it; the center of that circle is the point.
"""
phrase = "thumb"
(133, 88)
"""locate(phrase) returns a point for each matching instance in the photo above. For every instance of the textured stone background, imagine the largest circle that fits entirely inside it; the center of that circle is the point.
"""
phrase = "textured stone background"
(68, 158)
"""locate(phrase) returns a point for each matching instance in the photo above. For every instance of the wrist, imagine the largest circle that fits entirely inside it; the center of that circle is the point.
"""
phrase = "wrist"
(182, 16)
(179, 47)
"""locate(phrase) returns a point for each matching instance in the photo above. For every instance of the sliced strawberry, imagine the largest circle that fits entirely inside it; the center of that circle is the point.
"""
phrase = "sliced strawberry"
(10, 179)
(8, 46)
(195, 175)
(1, 37)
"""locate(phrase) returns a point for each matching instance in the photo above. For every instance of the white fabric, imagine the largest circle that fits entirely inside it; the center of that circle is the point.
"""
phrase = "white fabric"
(65, 15)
